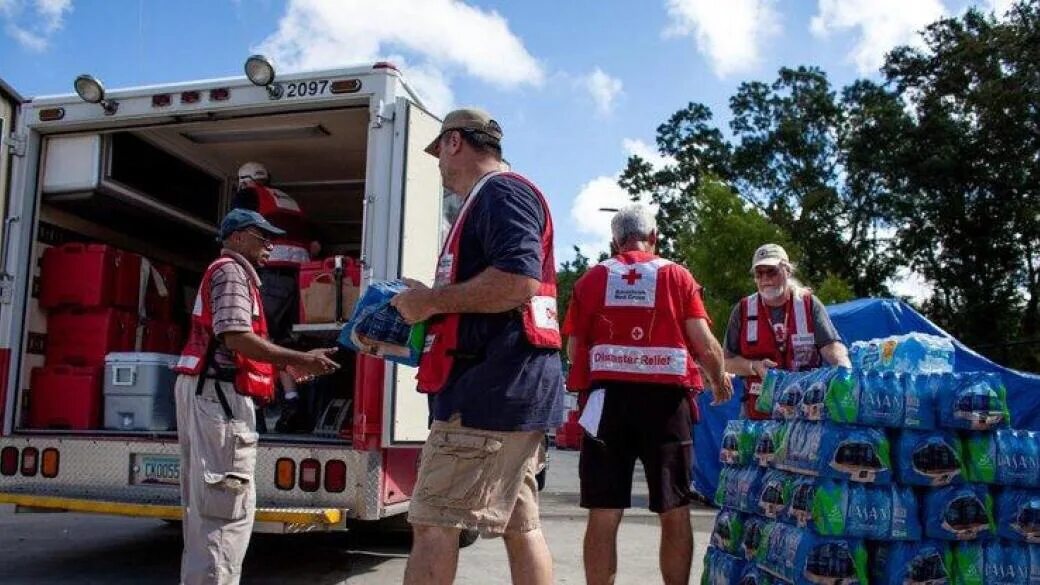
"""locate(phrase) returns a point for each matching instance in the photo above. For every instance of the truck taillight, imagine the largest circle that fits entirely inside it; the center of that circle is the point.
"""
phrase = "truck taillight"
(161, 100)
(335, 476)
(190, 97)
(219, 95)
(30, 461)
(285, 474)
(9, 461)
(310, 475)
(49, 463)
(386, 65)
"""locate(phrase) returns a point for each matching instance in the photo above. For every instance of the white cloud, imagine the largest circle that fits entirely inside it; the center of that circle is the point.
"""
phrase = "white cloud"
(907, 283)
(729, 33)
(592, 224)
(1000, 7)
(882, 24)
(603, 88)
(443, 36)
(32, 24)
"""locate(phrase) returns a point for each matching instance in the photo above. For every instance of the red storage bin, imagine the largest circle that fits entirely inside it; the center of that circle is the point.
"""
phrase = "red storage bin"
(89, 275)
(65, 397)
(162, 336)
(82, 337)
(157, 306)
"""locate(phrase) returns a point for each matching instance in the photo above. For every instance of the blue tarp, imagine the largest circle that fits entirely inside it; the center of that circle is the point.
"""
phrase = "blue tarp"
(858, 321)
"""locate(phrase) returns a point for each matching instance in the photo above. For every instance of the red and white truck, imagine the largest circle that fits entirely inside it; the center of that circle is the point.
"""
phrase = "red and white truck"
(149, 171)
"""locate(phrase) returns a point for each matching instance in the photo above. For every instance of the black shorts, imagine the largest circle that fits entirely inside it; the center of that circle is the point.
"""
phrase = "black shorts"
(280, 294)
(640, 421)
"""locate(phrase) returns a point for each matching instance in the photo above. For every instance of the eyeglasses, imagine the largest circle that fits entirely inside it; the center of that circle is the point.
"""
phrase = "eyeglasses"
(266, 242)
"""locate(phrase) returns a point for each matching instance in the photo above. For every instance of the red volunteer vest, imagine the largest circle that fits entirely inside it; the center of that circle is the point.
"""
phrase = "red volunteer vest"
(539, 314)
(290, 250)
(635, 335)
(758, 341)
(253, 378)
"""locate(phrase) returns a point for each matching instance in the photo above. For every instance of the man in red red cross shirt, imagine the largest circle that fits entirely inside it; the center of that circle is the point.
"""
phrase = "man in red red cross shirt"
(636, 328)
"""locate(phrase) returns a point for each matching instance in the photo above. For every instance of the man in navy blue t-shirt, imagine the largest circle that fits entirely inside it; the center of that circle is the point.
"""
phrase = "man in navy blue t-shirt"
(501, 388)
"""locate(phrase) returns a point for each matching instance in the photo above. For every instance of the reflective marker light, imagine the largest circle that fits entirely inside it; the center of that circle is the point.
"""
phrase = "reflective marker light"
(161, 100)
(335, 476)
(285, 474)
(310, 475)
(190, 97)
(259, 70)
(49, 463)
(386, 65)
(30, 461)
(9, 461)
(51, 114)
(219, 95)
(346, 86)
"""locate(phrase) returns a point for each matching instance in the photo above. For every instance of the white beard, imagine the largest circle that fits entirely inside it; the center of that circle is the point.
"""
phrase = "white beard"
(772, 293)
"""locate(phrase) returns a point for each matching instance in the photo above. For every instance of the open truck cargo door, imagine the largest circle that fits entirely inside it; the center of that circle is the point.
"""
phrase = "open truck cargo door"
(417, 178)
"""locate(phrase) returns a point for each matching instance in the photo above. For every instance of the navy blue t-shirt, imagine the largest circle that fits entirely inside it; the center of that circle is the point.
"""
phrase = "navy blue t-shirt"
(504, 383)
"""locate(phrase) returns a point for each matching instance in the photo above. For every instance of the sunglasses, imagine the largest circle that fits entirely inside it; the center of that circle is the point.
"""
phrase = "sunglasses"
(766, 272)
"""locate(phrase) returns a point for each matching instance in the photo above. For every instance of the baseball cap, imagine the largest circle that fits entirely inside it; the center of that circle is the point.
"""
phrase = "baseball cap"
(769, 255)
(466, 119)
(240, 219)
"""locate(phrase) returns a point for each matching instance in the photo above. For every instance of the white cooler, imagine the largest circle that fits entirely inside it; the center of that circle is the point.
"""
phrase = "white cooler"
(139, 391)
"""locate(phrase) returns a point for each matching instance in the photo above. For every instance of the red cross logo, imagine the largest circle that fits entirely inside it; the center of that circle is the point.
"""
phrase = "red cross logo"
(632, 277)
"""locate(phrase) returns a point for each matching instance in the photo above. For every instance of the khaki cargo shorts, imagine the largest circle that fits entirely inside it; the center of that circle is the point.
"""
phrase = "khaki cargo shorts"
(479, 480)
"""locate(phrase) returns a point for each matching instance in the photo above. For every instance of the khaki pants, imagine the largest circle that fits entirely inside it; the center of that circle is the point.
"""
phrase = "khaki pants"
(218, 460)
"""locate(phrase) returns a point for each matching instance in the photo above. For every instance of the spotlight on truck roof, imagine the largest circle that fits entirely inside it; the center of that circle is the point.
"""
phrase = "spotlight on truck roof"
(90, 90)
(260, 71)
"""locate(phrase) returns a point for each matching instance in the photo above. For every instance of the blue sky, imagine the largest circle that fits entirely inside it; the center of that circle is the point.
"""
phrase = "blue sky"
(577, 85)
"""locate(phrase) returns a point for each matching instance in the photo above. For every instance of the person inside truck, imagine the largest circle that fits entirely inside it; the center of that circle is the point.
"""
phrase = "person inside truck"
(280, 291)
(492, 361)
(225, 370)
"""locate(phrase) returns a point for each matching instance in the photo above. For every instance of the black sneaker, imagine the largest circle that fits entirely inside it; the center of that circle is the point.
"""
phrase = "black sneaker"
(294, 418)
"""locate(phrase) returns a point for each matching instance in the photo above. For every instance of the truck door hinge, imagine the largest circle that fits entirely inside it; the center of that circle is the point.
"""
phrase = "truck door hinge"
(377, 116)
(16, 144)
(6, 288)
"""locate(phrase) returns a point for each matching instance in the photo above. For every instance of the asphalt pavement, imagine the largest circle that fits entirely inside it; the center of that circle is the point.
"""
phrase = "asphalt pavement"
(78, 549)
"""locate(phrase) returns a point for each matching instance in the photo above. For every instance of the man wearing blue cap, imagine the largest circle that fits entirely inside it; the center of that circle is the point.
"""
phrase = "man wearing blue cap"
(227, 368)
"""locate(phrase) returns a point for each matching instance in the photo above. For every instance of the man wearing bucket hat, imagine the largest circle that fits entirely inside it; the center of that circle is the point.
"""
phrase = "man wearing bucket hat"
(491, 362)
(225, 369)
(782, 325)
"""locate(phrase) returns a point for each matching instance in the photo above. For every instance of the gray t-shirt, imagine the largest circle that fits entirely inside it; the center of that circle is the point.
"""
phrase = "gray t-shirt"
(823, 328)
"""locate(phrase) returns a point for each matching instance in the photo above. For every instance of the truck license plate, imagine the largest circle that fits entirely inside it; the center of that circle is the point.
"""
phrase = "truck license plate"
(147, 469)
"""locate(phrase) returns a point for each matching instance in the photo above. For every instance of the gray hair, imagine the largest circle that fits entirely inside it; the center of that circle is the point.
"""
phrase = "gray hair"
(633, 222)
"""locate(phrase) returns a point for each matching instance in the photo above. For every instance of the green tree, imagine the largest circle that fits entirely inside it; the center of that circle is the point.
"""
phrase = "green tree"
(966, 171)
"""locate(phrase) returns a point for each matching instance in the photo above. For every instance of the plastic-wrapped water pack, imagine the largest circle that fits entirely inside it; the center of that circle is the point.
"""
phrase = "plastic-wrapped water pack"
(928, 458)
(959, 512)
(738, 488)
(756, 576)
(920, 399)
(1004, 457)
(851, 453)
(836, 508)
(830, 394)
(977, 402)
(909, 353)
(738, 442)
(767, 392)
(770, 436)
(996, 562)
(721, 568)
(728, 534)
(880, 399)
(799, 556)
(912, 563)
(1018, 515)
(774, 493)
